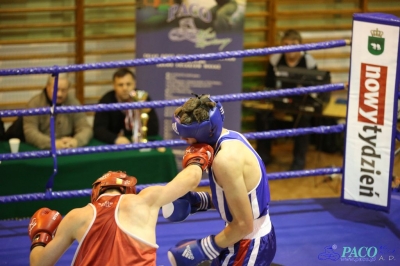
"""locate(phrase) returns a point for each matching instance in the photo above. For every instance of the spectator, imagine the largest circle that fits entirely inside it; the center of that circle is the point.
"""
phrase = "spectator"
(71, 130)
(265, 119)
(119, 127)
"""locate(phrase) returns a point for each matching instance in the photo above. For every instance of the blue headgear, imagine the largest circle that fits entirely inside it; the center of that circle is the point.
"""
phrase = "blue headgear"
(207, 131)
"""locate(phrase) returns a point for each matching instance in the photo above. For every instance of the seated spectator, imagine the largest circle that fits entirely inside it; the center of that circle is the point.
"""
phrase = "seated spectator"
(265, 120)
(71, 129)
(123, 126)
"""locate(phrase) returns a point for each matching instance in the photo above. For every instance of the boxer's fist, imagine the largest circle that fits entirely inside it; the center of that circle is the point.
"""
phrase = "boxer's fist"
(43, 226)
(200, 154)
(176, 211)
(193, 252)
(199, 201)
(191, 202)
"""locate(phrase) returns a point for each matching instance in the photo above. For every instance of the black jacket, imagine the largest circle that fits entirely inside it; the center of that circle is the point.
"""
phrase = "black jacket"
(306, 61)
(107, 125)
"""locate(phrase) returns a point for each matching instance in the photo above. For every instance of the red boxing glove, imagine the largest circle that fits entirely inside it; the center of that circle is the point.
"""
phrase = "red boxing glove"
(200, 154)
(42, 226)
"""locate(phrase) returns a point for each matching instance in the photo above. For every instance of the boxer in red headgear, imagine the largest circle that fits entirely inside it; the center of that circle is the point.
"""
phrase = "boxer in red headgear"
(118, 226)
(126, 184)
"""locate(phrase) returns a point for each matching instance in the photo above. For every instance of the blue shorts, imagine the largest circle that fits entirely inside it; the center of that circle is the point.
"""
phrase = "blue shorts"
(248, 252)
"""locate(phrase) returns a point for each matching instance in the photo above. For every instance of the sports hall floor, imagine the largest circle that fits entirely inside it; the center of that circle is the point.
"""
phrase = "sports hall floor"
(312, 226)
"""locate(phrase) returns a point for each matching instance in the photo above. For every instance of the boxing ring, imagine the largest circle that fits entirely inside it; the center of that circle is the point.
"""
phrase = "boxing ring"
(309, 232)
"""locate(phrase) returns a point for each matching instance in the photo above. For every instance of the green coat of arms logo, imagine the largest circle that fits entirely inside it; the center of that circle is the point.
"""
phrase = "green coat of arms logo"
(376, 44)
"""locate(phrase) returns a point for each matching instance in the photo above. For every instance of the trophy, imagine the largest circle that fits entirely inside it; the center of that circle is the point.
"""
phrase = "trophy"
(144, 117)
(140, 96)
(139, 130)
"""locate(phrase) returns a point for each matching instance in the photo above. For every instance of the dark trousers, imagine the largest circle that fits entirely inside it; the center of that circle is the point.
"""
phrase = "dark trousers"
(265, 121)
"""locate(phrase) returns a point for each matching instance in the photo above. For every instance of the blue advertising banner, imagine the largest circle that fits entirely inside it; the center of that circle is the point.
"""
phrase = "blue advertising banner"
(173, 28)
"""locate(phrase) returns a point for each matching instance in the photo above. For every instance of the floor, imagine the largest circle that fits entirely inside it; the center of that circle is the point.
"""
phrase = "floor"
(309, 232)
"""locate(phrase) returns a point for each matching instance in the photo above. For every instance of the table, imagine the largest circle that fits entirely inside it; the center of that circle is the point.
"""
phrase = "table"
(75, 172)
(336, 107)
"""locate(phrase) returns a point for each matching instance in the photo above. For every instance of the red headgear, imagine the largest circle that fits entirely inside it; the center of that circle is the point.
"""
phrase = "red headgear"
(120, 180)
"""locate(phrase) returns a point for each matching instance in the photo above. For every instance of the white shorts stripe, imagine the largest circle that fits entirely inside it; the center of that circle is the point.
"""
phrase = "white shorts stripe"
(254, 252)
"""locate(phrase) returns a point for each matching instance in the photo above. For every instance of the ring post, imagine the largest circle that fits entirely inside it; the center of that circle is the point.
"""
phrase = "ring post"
(371, 111)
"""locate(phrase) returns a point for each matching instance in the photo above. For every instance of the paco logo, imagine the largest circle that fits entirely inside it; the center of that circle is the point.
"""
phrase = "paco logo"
(372, 94)
(358, 254)
(361, 252)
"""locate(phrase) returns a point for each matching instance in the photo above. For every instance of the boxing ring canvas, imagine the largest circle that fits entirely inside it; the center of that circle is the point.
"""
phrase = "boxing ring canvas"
(309, 232)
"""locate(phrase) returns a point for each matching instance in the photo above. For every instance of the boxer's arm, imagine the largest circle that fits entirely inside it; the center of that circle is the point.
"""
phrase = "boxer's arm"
(197, 158)
(186, 180)
(62, 240)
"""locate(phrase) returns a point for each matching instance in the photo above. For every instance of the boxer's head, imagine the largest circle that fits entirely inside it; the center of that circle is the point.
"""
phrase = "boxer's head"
(200, 118)
(118, 180)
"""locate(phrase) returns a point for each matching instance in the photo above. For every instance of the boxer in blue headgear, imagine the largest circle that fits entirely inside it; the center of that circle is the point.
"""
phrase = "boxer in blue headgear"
(239, 191)
(200, 118)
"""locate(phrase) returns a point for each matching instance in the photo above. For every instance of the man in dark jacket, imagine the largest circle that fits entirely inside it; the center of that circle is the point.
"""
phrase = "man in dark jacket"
(124, 126)
(265, 120)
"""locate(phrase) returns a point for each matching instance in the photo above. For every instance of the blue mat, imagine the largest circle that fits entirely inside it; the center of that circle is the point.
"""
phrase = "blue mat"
(309, 232)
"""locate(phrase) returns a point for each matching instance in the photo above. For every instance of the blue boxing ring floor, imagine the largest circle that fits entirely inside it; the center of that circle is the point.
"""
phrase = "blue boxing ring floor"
(309, 232)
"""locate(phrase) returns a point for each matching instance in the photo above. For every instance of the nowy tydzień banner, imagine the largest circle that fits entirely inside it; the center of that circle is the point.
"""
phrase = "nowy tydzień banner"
(371, 111)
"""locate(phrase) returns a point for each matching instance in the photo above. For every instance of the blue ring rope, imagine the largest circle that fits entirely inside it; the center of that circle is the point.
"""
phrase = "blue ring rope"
(55, 70)
(176, 102)
(204, 182)
(167, 143)
(174, 59)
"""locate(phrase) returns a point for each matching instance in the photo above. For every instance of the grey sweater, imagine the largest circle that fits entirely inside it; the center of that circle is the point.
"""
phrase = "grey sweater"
(37, 128)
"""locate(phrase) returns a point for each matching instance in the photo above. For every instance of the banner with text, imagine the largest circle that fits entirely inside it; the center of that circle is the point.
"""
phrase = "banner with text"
(371, 111)
(190, 27)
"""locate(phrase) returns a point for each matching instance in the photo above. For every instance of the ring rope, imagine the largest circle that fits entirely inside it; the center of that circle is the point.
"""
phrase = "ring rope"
(167, 143)
(176, 102)
(205, 182)
(55, 70)
(175, 59)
